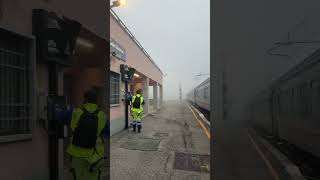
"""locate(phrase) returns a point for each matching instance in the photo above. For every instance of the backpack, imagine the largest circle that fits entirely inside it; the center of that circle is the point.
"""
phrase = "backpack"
(136, 103)
(85, 134)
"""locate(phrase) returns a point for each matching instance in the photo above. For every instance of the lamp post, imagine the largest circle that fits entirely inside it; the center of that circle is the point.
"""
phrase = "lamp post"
(118, 3)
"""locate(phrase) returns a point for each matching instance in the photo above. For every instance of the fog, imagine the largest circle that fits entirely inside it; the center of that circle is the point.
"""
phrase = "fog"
(176, 34)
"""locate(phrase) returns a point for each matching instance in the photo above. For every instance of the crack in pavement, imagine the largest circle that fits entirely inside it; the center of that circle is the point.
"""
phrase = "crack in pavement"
(166, 165)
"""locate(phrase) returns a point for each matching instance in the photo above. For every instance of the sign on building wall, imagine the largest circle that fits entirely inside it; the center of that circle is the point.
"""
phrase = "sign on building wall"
(117, 50)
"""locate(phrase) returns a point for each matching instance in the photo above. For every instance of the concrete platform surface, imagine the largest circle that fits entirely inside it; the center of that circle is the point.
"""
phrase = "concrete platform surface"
(171, 146)
(237, 156)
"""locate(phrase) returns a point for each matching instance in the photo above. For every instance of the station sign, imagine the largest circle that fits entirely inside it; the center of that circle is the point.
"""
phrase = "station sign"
(117, 50)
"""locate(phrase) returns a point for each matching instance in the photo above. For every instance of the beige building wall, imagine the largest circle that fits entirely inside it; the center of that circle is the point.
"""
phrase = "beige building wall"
(137, 59)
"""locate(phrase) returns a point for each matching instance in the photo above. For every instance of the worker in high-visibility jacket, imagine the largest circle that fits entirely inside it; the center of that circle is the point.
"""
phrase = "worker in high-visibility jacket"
(87, 144)
(136, 110)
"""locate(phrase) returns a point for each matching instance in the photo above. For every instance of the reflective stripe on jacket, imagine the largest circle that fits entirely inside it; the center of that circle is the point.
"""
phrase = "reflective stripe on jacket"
(85, 152)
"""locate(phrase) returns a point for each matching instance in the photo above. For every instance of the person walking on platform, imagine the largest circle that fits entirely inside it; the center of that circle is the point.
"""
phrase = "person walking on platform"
(136, 110)
(87, 144)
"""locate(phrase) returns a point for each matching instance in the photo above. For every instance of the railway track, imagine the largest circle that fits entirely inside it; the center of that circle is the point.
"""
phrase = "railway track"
(307, 163)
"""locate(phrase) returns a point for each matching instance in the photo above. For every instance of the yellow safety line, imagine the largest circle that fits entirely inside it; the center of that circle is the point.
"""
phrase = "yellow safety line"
(205, 129)
(266, 161)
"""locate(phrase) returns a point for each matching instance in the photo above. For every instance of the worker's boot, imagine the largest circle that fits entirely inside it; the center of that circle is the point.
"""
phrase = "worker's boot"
(134, 127)
(139, 128)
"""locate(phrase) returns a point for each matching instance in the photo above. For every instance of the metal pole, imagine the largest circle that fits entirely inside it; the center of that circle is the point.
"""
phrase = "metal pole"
(52, 126)
(126, 106)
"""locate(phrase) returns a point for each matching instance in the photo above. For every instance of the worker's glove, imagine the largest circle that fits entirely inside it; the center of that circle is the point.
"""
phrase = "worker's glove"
(95, 161)
(97, 165)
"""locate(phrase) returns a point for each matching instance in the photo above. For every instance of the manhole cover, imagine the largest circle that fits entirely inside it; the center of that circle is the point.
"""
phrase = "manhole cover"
(161, 134)
(192, 162)
(143, 144)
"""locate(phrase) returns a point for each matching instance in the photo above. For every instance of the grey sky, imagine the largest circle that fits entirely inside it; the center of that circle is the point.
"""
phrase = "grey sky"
(177, 36)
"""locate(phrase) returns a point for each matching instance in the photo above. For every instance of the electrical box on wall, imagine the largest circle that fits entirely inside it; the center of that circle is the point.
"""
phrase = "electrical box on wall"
(55, 36)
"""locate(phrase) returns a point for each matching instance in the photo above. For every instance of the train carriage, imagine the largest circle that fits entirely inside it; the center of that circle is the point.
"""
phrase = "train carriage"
(200, 95)
(289, 108)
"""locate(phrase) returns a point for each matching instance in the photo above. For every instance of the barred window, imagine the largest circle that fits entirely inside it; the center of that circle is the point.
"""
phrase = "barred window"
(114, 88)
(14, 85)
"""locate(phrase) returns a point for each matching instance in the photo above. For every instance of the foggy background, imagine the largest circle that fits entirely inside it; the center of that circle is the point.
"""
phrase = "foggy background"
(176, 34)
(243, 32)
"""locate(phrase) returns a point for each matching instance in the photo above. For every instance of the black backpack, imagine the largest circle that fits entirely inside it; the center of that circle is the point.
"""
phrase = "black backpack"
(136, 103)
(85, 134)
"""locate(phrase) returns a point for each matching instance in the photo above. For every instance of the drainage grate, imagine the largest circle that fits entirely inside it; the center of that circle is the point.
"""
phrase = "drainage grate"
(143, 144)
(161, 134)
(192, 162)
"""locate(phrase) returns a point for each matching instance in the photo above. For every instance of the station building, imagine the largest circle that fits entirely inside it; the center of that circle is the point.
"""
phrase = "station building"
(25, 151)
(24, 80)
(125, 49)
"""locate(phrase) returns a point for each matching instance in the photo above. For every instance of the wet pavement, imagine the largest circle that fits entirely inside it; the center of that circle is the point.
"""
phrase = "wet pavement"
(171, 146)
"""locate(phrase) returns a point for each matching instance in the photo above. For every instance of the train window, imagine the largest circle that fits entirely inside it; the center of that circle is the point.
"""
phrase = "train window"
(278, 104)
(314, 96)
(311, 96)
(286, 95)
(299, 101)
(305, 100)
(304, 95)
(293, 98)
(282, 103)
(205, 93)
(287, 101)
(309, 99)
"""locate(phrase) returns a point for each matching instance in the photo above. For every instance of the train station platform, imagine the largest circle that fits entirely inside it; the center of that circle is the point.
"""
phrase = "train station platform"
(171, 146)
(241, 154)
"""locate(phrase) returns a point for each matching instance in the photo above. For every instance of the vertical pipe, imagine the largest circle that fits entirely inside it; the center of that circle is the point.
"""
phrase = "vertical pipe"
(126, 105)
(52, 126)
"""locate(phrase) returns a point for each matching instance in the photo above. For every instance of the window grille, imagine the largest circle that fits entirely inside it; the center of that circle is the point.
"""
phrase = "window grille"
(14, 84)
(114, 88)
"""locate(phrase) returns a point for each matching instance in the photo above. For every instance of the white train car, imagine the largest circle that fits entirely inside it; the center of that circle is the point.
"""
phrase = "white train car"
(200, 95)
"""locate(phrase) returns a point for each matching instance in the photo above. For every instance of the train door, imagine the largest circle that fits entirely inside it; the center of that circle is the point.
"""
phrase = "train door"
(275, 102)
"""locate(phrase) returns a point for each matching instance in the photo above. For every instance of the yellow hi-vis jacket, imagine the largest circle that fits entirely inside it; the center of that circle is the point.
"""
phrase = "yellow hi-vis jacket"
(138, 110)
(85, 152)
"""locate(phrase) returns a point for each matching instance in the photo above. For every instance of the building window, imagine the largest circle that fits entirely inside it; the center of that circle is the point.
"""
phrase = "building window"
(15, 106)
(114, 88)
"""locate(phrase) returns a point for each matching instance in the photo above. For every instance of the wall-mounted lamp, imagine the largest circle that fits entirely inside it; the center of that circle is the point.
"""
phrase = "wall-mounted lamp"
(118, 3)
(85, 43)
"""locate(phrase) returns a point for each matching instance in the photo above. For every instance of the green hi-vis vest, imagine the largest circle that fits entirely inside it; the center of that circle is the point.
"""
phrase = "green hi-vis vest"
(85, 152)
(138, 110)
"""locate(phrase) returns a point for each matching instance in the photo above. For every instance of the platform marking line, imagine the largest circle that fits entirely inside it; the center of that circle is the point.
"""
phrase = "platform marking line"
(201, 124)
(266, 161)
